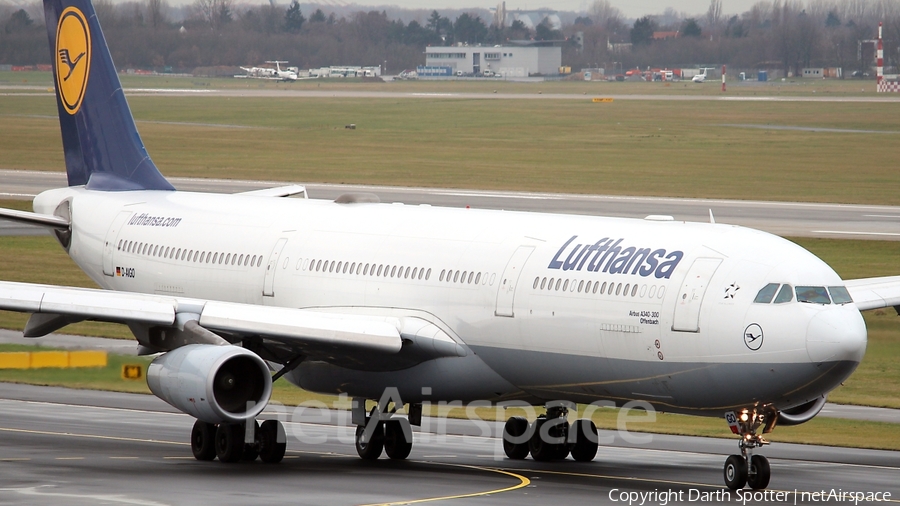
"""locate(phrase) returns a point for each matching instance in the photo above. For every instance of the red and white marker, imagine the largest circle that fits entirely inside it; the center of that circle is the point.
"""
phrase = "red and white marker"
(723, 77)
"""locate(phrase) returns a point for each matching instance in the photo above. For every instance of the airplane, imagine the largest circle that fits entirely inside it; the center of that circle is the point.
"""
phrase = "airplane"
(701, 77)
(271, 73)
(426, 304)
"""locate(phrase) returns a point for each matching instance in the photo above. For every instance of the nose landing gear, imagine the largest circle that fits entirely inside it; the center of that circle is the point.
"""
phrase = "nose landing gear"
(747, 468)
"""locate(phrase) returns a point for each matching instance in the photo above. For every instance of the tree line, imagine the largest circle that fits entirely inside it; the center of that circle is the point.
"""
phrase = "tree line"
(788, 34)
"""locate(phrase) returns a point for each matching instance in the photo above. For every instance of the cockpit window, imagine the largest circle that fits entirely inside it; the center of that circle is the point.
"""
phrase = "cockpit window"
(813, 294)
(839, 294)
(766, 293)
(785, 295)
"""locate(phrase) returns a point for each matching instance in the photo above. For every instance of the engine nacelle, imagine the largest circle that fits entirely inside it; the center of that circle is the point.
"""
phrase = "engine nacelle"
(802, 413)
(212, 383)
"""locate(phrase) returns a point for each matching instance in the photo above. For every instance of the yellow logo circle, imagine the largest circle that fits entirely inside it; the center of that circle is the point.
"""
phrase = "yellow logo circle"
(73, 58)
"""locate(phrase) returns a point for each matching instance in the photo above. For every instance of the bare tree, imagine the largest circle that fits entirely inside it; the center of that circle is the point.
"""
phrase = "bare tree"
(605, 14)
(156, 13)
(714, 15)
(214, 13)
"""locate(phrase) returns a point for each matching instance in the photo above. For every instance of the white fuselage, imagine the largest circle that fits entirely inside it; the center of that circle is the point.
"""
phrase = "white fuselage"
(549, 306)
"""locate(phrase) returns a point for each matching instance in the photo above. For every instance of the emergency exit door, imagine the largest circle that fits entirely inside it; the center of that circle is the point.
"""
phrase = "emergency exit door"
(506, 293)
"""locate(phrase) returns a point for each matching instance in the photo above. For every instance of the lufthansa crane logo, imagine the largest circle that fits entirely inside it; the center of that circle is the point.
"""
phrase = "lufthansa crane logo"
(753, 336)
(73, 58)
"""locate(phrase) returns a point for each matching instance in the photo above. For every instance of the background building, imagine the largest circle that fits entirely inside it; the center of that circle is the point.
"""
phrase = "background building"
(507, 61)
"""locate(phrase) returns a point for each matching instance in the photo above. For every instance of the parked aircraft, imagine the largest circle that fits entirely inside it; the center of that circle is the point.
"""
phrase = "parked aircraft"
(701, 77)
(276, 73)
(433, 304)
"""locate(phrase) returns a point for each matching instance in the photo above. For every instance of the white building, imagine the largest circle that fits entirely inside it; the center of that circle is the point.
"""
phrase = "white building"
(507, 61)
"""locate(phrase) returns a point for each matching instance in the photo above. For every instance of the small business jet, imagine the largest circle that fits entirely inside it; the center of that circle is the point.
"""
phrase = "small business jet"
(431, 304)
(277, 73)
(701, 77)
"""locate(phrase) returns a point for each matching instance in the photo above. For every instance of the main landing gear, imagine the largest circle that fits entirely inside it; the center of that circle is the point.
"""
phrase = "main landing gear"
(236, 442)
(747, 468)
(380, 431)
(550, 437)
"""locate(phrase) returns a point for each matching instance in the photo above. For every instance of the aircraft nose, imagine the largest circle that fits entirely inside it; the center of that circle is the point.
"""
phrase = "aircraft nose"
(836, 334)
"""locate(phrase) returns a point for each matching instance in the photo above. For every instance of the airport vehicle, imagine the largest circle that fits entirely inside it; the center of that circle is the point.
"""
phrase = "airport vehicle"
(277, 73)
(425, 303)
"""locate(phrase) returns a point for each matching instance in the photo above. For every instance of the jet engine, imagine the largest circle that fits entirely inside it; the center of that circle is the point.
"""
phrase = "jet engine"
(215, 384)
(802, 413)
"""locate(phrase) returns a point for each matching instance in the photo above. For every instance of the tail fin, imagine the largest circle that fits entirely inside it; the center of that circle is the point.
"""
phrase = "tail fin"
(103, 149)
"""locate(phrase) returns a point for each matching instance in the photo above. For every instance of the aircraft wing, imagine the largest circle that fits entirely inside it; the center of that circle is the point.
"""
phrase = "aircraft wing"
(293, 327)
(279, 191)
(875, 293)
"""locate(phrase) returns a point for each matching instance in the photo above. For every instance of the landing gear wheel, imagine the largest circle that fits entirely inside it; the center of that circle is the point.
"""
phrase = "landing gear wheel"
(735, 472)
(760, 472)
(251, 450)
(541, 450)
(515, 445)
(395, 444)
(371, 449)
(203, 437)
(229, 442)
(585, 447)
(271, 451)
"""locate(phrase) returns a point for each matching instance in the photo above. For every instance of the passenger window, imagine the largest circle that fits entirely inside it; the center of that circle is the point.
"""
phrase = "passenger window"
(477, 278)
(339, 267)
(786, 294)
(228, 259)
(442, 275)
(766, 293)
(580, 285)
(634, 290)
(618, 288)
(536, 281)
(596, 284)
(558, 281)
(366, 270)
(566, 285)
(603, 288)
(353, 267)
(415, 271)
(813, 295)
(550, 284)
(284, 264)
(471, 274)
(345, 269)
(456, 277)
(427, 274)
(394, 270)
(839, 294)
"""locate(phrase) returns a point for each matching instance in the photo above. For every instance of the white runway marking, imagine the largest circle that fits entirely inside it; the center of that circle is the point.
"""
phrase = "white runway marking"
(848, 232)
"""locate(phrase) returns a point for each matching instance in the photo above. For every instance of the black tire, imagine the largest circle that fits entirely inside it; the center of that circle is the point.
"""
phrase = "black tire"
(760, 472)
(271, 451)
(585, 447)
(203, 440)
(515, 428)
(395, 444)
(372, 449)
(251, 450)
(735, 472)
(541, 450)
(230, 442)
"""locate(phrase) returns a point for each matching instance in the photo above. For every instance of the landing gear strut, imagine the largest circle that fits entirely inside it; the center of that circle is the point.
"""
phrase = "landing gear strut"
(747, 468)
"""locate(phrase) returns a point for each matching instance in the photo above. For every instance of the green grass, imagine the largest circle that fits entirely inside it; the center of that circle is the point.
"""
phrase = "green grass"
(671, 148)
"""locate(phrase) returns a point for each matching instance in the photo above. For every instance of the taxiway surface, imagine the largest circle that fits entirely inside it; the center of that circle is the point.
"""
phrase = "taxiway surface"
(781, 218)
(59, 446)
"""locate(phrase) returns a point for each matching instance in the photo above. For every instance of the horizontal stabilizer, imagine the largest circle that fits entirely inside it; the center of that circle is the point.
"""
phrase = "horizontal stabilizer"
(41, 220)
(280, 191)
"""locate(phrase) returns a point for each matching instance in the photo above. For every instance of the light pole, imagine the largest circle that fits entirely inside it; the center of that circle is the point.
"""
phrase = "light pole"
(384, 68)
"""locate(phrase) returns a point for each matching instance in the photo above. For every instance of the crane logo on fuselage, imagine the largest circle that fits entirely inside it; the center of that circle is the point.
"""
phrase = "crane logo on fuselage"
(609, 255)
(753, 336)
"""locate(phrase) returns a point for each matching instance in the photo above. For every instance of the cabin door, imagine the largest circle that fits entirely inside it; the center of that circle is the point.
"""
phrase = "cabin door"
(506, 293)
(272, 267)
(690, 297)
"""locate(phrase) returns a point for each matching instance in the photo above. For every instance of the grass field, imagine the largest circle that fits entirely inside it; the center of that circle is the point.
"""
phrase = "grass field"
(636, 147)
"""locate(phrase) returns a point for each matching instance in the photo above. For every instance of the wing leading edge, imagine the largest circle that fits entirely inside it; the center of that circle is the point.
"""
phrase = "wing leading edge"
(53, 307)
(874, 293)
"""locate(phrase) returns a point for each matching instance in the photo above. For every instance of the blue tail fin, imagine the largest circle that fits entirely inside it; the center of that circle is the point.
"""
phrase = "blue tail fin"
(102, 146)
